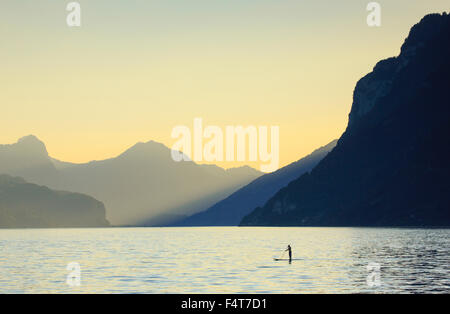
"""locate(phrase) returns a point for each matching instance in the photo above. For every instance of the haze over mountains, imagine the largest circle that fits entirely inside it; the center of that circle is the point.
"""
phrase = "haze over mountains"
(141, 186)
(231, 210)
(26, 205)
(391, 166)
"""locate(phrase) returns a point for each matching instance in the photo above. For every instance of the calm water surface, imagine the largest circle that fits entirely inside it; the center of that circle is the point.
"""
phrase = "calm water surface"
(225, 260)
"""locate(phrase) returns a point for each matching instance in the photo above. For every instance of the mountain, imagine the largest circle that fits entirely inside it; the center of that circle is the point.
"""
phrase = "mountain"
(391, 165)
(142, 186)
(25, 205)
(27, 158)
(230, 211)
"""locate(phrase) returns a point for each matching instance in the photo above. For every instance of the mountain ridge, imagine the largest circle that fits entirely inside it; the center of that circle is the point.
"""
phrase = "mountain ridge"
(27, 205)
(390, 167)
(138, 184)
(231, 210)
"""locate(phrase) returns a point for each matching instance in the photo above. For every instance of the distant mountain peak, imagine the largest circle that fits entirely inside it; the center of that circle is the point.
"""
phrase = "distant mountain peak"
(27, 146)
(33, 144)
(145, 148)
(29, 138)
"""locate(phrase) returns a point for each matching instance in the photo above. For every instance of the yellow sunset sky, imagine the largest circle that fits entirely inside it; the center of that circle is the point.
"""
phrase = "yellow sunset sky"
(136, 69)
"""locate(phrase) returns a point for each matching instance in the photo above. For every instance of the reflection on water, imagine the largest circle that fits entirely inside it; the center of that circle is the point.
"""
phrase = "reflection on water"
(225, 260)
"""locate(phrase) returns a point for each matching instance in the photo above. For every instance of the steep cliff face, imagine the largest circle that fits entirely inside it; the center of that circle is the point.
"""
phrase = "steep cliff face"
(390, 167)
(379, 83)
(26, 205)
(371, 88)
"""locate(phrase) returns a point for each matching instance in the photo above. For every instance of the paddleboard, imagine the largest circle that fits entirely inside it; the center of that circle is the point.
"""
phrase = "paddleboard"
(286, 259)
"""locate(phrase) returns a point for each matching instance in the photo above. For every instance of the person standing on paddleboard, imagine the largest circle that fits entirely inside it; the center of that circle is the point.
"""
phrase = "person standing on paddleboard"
(289, 249)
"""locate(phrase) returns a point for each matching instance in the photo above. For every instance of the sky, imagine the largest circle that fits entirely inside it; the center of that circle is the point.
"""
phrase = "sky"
(136, 69)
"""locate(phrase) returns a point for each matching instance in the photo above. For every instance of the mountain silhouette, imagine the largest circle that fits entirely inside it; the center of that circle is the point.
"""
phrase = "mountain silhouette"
(391, 166)
(138, 187)
(27, 158)
(230, 211)
(25, 205)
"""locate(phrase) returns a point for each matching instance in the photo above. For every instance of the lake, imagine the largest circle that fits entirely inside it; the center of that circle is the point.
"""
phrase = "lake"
(226, 260)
